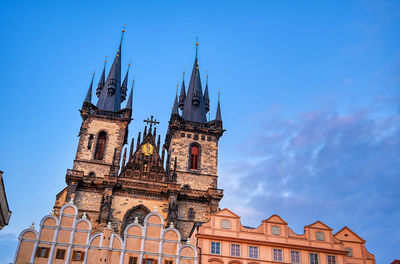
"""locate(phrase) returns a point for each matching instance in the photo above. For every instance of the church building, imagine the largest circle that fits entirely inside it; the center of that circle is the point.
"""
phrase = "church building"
(139, 201)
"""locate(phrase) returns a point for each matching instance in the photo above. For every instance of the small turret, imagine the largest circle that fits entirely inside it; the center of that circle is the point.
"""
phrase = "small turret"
(182, 96)
(218, 114)
(88, 97)
(102, 80)
(206, 97)
(124, 86)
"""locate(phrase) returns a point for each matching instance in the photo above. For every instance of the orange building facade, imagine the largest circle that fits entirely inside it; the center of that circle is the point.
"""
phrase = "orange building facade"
(225, 240)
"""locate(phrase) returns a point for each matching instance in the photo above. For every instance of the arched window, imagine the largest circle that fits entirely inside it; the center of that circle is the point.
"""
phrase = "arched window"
(194, 157)
(101, 146)
(139, 211)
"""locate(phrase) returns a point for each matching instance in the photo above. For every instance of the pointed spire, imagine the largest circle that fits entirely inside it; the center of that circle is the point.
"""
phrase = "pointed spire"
(110, 96)
(102, 80)
(130, 98)
(194, 107)
(124, 86)
(131, 148)
(123, 158)
(88, 97)
(182, 96)
(218, 114)
(138, 140)
(206, 96)
(175, 110)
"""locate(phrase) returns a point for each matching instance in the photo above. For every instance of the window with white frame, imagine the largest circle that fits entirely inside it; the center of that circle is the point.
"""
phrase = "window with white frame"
(226, 224)
(314, 259)
(235, 250)
(320, 236)
(215, 248)
(276, 230)
(278, 255)
(253, 252)
(331, 259)
(295, 257)
(349, 252)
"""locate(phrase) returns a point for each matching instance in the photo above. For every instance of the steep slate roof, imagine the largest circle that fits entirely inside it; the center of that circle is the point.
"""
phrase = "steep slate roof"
(194, 107)
(110, 96)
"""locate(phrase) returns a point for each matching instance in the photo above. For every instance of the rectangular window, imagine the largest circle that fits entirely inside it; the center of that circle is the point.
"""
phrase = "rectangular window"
(253, 252)
(149, 261)
(215, 248)
(331, 259)
(78, 255)
(60, 253)
(169, 262)
(320, 236)
(314, 258)
(295, 257)
(42, 252)
(235, 250)
(276, 230)
(132, 260)
(278, 256)
(226, 224)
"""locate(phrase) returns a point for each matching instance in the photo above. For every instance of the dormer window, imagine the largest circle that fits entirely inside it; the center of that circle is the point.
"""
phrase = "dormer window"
(320, 236)
(276, 230)
(194, 157)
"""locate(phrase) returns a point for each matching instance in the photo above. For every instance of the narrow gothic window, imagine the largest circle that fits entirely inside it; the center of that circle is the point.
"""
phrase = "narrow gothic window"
(101, 146)
(194, 157)
(191, 214)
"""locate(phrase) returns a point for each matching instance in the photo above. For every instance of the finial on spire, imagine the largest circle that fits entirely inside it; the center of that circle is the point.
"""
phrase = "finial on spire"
(176, 92)
(197, 46)
(122, 35)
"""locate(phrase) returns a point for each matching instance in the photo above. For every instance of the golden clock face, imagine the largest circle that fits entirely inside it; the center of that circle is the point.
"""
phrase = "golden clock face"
(147, 149)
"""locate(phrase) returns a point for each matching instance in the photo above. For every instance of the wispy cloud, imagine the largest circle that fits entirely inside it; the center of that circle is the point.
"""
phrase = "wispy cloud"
(322, 165)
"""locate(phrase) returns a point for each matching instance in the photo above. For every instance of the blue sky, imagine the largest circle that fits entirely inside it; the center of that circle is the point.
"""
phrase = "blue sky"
(309, 94)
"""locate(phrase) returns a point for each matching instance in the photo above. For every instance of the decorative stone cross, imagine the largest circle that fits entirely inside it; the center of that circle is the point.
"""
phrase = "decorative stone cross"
(151, 122)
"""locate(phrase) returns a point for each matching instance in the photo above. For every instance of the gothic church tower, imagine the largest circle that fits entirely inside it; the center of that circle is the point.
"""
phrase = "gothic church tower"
(179, 179)
(192, 146)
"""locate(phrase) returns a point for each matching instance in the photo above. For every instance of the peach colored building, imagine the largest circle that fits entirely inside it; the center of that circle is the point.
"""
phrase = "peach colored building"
(225, 240)
(68, 239)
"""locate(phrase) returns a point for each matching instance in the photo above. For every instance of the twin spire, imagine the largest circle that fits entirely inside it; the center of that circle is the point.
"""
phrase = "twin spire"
(195, 105)
(110, 92)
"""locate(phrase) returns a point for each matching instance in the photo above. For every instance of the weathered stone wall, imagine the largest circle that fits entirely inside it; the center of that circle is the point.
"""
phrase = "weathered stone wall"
(201, 214)
(84, 159)
(206, 176)
(122, 204)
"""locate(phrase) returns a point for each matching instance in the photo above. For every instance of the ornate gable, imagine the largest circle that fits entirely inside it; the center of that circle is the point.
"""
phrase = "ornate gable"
(346, 234)
(145, 163)
(320, 225)
(226, 213)
(275, 219)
